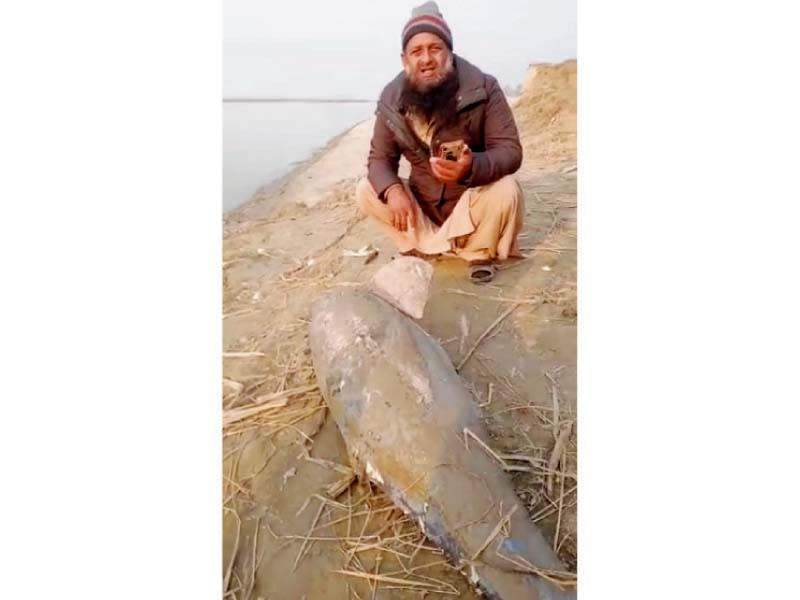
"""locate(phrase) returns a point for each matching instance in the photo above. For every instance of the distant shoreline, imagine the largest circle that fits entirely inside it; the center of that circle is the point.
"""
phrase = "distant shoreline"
(306, 100)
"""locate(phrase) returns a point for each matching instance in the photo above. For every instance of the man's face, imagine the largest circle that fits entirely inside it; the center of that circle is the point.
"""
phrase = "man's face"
(427, 61)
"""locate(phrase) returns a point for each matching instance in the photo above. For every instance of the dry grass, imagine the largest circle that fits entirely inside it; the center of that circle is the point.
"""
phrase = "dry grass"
(546, 113)
(483, 336)
(266, 404)
(383, 551)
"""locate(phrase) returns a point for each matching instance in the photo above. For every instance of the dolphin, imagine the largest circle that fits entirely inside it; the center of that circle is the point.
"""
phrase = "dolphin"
(411, 426)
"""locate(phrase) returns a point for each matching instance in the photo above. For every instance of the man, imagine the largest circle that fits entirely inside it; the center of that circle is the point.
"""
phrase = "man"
(466, 204)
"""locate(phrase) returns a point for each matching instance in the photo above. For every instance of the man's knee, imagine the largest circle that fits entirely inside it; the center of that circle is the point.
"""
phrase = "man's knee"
(365, 195)
(507, 194)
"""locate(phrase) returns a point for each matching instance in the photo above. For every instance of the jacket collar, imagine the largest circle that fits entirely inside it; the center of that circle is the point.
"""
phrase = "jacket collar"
(470, 84)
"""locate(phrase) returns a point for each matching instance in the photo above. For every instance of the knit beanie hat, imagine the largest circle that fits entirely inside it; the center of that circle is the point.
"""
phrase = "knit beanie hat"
(427, 18)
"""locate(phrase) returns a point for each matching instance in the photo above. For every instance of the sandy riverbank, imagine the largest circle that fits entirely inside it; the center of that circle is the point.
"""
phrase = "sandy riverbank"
(282, 250)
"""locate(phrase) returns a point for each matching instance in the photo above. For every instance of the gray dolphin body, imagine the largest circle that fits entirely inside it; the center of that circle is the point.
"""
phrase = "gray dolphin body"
(402, 410)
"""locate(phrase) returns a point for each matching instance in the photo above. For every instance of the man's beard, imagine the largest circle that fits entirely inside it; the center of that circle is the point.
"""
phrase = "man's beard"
(437, 103)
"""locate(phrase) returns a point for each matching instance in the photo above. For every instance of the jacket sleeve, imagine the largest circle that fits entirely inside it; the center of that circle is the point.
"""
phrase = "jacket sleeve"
(503, 151)
(384, 157)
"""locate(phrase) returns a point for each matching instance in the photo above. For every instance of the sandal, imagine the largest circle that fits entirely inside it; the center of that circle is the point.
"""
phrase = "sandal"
(482, 272)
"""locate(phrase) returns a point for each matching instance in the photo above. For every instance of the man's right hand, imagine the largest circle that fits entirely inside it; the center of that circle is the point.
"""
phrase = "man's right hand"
(402, 210)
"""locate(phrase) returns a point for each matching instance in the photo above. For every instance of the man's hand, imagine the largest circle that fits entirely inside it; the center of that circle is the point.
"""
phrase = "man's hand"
(402, 210)
(451, 171)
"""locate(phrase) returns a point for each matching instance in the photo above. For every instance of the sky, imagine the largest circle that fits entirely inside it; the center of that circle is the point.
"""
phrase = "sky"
(351, 48)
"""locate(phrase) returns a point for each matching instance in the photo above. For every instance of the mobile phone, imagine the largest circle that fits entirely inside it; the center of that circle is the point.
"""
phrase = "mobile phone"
(451, 150)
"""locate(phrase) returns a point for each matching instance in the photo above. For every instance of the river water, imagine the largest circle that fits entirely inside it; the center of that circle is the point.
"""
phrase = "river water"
(263, 140)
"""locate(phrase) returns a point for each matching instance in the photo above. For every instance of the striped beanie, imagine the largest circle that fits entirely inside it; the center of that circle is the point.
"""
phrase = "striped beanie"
(427, 18)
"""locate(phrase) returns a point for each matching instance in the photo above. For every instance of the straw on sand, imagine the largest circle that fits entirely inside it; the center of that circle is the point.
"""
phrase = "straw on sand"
(264, 403)
(227, 580)
(485, 333)
(555, 455)
(385, 578)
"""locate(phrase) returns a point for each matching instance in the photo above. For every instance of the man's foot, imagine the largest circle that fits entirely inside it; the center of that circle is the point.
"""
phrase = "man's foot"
(482, 271)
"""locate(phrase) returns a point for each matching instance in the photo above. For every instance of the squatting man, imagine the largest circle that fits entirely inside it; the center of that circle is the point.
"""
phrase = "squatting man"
(454, 126)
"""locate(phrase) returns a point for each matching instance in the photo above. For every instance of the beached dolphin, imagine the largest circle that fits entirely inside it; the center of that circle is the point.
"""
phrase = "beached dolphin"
(403, 412)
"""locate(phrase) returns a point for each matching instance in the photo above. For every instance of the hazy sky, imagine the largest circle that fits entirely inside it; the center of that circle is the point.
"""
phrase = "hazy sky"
(351, 48)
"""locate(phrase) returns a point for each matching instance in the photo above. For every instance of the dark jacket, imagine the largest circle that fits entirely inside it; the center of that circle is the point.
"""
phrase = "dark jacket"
(484, 122)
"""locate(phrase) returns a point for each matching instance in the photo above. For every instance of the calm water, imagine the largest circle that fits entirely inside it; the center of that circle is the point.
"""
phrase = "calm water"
(262, 140)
